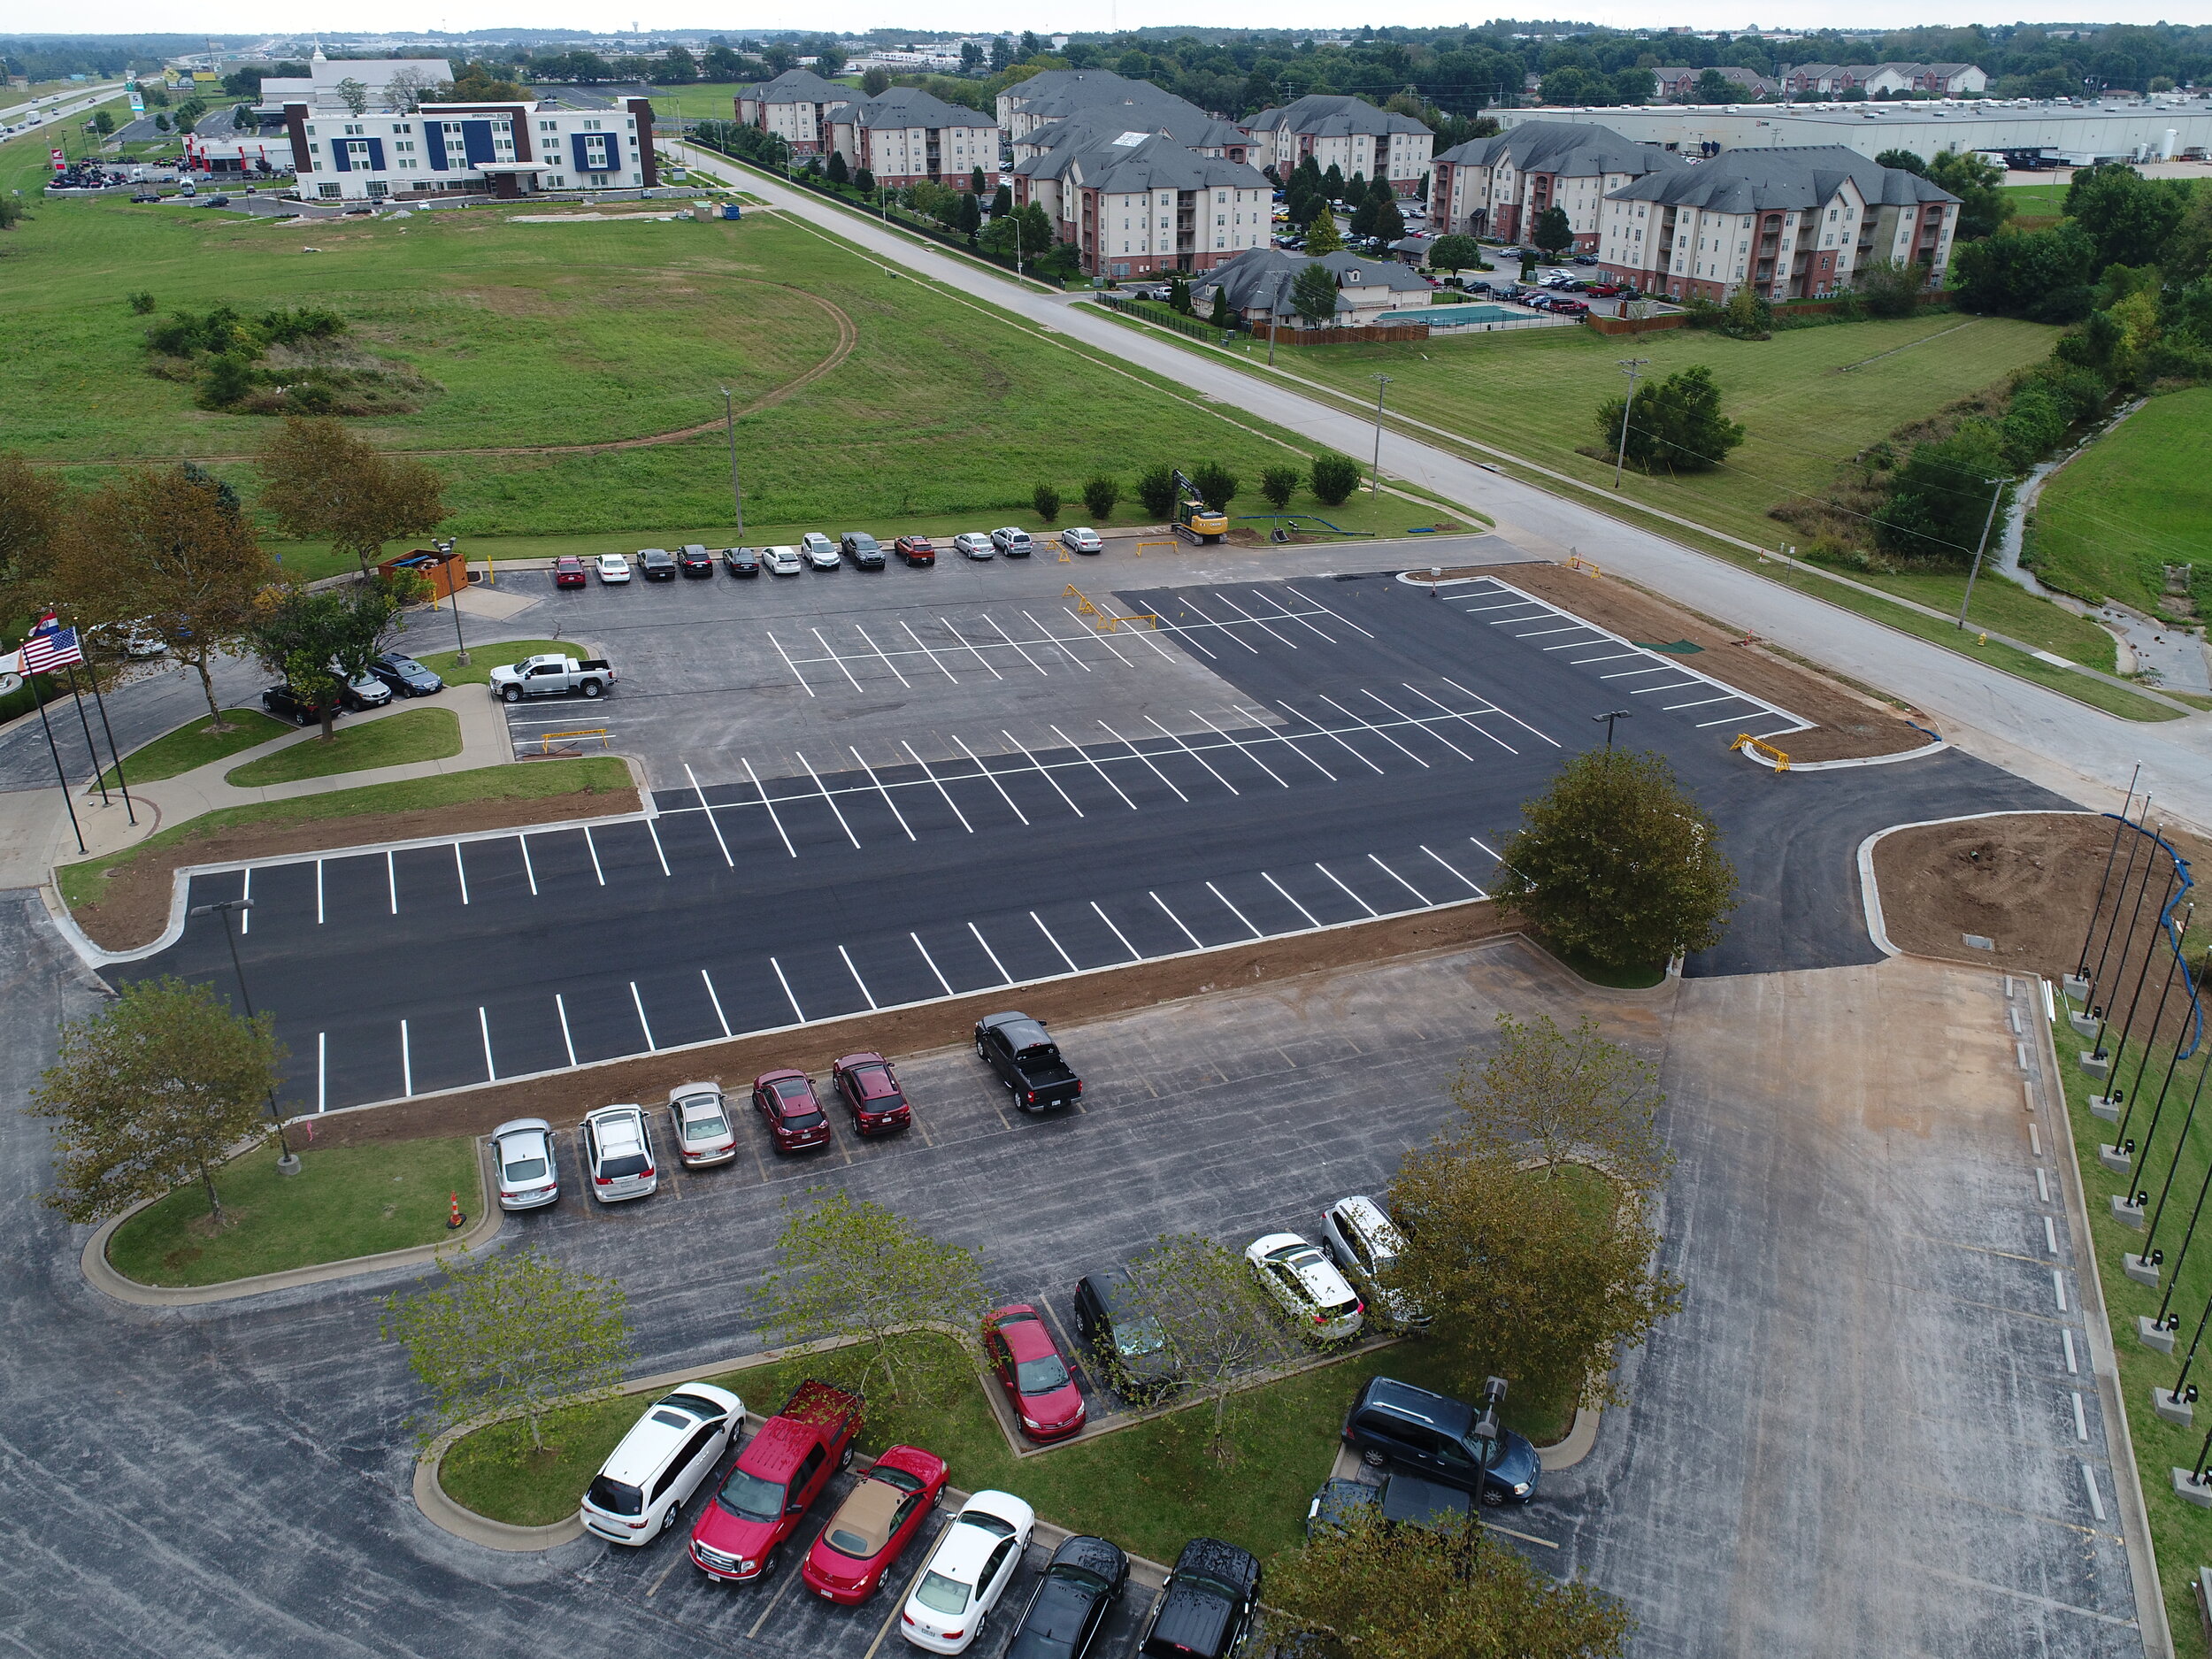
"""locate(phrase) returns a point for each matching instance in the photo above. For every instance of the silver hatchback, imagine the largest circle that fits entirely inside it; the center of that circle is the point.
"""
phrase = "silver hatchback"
(618, 1151)
(522, 1158)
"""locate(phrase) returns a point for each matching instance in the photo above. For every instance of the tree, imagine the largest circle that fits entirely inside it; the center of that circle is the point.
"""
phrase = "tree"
(1455, 253)
(864, 181)
(1331, 183)
(1279, 484)
(407, 90)
(1100, 493)
(1334, 477)
(680, 68)
(975, 181)
(1155, 490)
(2043, 275)
(1552, 233)
(971, 56)
(1385, 220)
(30, 518)
(1437, 1590)
(1713, 86)
(154, 1090)
(1045, 499)
(317, 638)
(1890, 288)
(1614, 862)
(1001, 201)
(1216, 483)
(321, 482)
(839, 172)
(1747, 315)
(353, 95)
(848, 1270)
(102, 122)
(1562, 1097)
(1323, 237)
(1905, 160)
(1178, 297)
(2129, 219)
(1978, 183)
(516, 1333)
(1675, 425)
(971, 217)
(1313, 294)
(161, 122)
(1941, 498)
(1215, 1320)
(172, 546)
(1222, 316)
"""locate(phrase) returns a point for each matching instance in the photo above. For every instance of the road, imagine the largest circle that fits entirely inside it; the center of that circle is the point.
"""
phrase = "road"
(2062, 743)
(56, 106)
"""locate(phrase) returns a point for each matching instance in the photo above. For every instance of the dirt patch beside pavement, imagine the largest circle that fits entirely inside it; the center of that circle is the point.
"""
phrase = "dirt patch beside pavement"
(1850, 724)
(133, 906)
(2026, 882)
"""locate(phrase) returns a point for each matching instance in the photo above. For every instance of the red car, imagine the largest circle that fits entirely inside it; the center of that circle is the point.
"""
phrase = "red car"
(1605, 290)
(1026, 1361)
(740, 1534)
(871, 1088)
(863, 1539)
(786, 1102)
(916, 549)
(568, 572)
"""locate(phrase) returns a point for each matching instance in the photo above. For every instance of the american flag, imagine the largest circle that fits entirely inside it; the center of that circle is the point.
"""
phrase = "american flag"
(50, 647)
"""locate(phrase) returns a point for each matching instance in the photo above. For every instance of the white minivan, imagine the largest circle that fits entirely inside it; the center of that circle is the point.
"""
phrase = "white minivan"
(638, 1491)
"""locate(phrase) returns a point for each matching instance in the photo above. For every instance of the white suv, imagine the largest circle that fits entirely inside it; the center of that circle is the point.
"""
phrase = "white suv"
(638, 1491)
(820, 551)
(1364, 1243)
(619, 1154)
(1306, 1285)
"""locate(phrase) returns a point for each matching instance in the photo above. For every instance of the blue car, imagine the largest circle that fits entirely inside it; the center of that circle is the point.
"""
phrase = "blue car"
(404, 674)
(1396, 1424)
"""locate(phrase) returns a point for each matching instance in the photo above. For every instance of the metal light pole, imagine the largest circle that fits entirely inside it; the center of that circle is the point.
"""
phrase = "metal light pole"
(289, 1163)
(1995, 496)
(1629, 365)
(2081, 969)
(737, 497)
(1609, 718)
(1382, 384)
(461, 648)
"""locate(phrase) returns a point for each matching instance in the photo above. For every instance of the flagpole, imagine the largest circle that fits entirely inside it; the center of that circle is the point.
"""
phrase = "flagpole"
(122, 782)
(98, 776)
(54, 751)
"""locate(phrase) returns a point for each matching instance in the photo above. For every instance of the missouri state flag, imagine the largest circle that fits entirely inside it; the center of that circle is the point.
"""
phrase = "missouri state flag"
(50, 646)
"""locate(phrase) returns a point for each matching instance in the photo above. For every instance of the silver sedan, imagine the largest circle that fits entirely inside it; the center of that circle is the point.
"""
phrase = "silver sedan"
(974, 544)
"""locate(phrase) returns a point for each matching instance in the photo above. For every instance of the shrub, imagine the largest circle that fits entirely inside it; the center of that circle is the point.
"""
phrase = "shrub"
(839, 172)
(1334, 477)
(1676, 426)
(1046, 500)
(224, 381)
(1155, 488)
(1216, 483)
(141, 301)
(1888, 288)
(1279, 484)
(1100, 495)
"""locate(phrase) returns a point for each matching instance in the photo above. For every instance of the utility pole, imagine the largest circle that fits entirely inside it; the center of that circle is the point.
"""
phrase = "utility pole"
(1629, 365)
(1382, 383)
(461, 648)
(729, 423)
(1995, 496)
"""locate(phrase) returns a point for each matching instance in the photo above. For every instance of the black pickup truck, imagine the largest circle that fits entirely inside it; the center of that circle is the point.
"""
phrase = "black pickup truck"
(1205, 1609)
(1026, 1060)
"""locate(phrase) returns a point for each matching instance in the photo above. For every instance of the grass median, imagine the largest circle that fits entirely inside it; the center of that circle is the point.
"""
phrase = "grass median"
(195, 744)
(398, 740)
(484, 658)
(345, 1201)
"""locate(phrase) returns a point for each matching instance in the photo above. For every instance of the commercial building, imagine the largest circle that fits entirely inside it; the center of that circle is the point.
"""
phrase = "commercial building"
(1498, 185)
(507, 150)
(1349, 133)
(907, 135)
(794, 106)
(1789, 224)
(384, 83)
(1258, 284)
(1139, 205)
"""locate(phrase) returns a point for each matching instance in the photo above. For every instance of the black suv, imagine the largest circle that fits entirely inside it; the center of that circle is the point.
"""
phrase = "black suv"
(287, 704)
(1206, 1606)
(863, 549)
(1131, 1352)
(1444, 1439)
(743, 561)
(695, 560)
(658, 562)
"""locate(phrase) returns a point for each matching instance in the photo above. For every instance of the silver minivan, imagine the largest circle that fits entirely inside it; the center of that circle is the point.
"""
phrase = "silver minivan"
(641, 1488)
(619, 1154)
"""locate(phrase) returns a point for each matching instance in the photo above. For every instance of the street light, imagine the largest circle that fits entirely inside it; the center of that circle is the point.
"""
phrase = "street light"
(1609, 718)
(289, 1163)
(461, 652)
(1382, 384)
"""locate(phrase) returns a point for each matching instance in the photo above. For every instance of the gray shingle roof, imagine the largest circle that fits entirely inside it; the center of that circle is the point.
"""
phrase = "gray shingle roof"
(1191, 127)
(907, 106)
(1324, 115)
(1261, 279)
(796, 85)
(1570, 149)
(1150, 164)
(1789, 180)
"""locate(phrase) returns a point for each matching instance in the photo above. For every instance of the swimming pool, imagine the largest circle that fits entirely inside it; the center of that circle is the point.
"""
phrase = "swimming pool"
(1450, 316)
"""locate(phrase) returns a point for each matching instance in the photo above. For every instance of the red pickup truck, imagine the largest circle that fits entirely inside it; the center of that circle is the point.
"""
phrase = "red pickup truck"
(740, 1535)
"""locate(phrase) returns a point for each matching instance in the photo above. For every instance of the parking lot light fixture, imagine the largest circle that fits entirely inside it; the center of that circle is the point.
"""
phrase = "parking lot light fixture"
(1382, 384)
(1609, 716)
(289, 1164)
(461, 653)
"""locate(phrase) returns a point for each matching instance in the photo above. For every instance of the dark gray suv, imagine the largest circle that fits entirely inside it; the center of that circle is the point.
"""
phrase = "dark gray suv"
(1396, 1424)
(1131, 1352)
(863, 549)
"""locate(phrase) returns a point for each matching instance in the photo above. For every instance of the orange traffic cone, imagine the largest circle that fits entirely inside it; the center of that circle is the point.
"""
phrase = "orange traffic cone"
(455, 1221)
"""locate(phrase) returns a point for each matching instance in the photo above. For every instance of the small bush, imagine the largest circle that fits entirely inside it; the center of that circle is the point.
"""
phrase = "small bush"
(141, 303)
(1216, 483)
(1100, 495)
(1334, 478)
(1156, 490)
(224, 381)
(1046, 500)
(1279, 484)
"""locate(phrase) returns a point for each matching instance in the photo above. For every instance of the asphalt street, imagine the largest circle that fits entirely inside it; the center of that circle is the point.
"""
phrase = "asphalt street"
(1366, 754)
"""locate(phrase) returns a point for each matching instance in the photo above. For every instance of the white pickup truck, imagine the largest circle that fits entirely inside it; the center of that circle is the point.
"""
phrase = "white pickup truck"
(551, 676)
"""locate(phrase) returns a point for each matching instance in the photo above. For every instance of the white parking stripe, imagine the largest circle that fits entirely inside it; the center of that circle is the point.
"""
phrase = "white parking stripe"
(1504, 621)
(1489, 707)
(1194, 755)
(971, 646)
(1467, 719)
(1439, 859)
(1679, 685)
(1321, 731)
(711, 825)
(720, 1018)
(1502, 604)
(1135, 954)
(765, 801)
(1633, 673)
(1400, 880)
(638, 1002)
(1041, 772)
(1326, 611)
(461, 869)
(1095, 767)
(593, 846)
(932, 777)
(561, 1008)
(857, 980)
(1230, 739)
(1238, 914)
(1004, 977)
(245, 892)
(1702, 703)
(1349, 893)
(1376, 730)
(996, 785)
(319, 890)
(1540, 633)
(1224, 599)
(1145, 758)
(1055, 944)
(649, 830)
(1010, 639)
(932, 961)
(1100, 638)
(879, 651)
(322, 1071)
(1223, 626)
(1062, 643)
(885, 793)
(834, 658)
(1146, 635)
(1311, 918)
(1172, 917)
(788, 664)
(1422, 722)
(916, 638)
(391, 880)
(406, 1063)
(1288, 615)
(528, 869)
(833, 807)
(795, 1008)
(1610, 656)
(484, 1025)
(1259, 719)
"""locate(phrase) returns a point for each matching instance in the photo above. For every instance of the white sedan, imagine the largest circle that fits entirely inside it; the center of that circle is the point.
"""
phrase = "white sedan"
(522, 1154)
(1081, 540)
(701, 1123)
(613, 569)
(1300, 1278)
(974, 544)
(783, 561)
(976, 1558)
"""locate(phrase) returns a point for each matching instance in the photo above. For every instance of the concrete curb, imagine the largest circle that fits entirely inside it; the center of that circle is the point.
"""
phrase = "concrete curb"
(1869, 892)
(1922, 753)
(103, 1278)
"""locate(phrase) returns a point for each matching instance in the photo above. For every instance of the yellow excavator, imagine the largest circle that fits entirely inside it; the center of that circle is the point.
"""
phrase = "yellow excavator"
(1195, 521)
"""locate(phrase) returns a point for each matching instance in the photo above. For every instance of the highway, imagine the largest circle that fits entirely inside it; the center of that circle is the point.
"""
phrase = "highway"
(2059, 742)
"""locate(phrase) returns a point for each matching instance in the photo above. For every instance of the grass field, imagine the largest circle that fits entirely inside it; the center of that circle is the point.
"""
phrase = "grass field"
(345, 1201)
(2137, 500)
(2046, 198)
(192, 744)
(484, 658)
(395, 740)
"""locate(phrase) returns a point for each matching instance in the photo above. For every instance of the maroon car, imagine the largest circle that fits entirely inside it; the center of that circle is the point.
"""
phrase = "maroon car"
(916, 549)
(568, 572)
(1022, 1355)
(871, 1089)
(786, 1102)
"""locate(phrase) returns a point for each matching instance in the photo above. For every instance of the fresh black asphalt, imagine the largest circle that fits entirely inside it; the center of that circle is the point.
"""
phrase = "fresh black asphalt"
(1408, 730)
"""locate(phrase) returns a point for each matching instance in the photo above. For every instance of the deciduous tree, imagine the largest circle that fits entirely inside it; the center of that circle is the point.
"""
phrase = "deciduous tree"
(1675, 425)
(1215, 1321)
(1279, 484)
(30, 518)
(1100, 495)
(317, 639)
(1455, 253)
(1616, 862)
(322, 482)
(156, 1090)
(1561, 1097)
(2129, 218)
(1323, 237)
(1334, 477)
(518, 1332)
(353, 93)
(1552, 233)
(846, 1269)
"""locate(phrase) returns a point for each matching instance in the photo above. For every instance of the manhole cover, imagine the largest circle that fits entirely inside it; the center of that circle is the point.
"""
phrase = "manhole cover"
(1976, 942)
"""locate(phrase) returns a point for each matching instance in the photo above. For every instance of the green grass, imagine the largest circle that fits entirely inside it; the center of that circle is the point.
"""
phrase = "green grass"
(2135, 501)
(2002, 603)
(82, 882)
(396, 741)
(2046, 199)
(345, 1201)
(706, 100)
(484, 658)
(2180, 1532)
(192, 744)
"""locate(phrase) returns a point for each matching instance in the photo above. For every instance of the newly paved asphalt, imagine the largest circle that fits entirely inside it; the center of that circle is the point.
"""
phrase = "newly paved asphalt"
(1360, 748)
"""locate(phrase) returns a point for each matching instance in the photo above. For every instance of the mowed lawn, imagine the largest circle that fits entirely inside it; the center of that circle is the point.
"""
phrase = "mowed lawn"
(2138, 499)
(1810, 397)
(593, 334)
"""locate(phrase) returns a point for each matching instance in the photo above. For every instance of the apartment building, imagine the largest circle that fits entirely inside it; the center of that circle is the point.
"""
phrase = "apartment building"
(907, 135)
(795, 106)
(1057, 94)
(1789, 223)
(507, 150)
(1346, 133)
(1498, 185)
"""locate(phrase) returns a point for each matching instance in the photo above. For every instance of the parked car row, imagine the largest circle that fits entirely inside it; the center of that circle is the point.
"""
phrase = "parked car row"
(814, 551)
(393, 673)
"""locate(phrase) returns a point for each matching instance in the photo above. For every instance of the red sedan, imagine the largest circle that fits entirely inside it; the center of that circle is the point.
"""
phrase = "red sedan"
(568, 572)
(786, 1102)
(873, 1527)
(871, 1088)
(1026, 1362)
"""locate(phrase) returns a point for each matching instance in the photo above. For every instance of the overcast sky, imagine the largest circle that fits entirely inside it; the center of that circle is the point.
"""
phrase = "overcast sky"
(232, 16)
